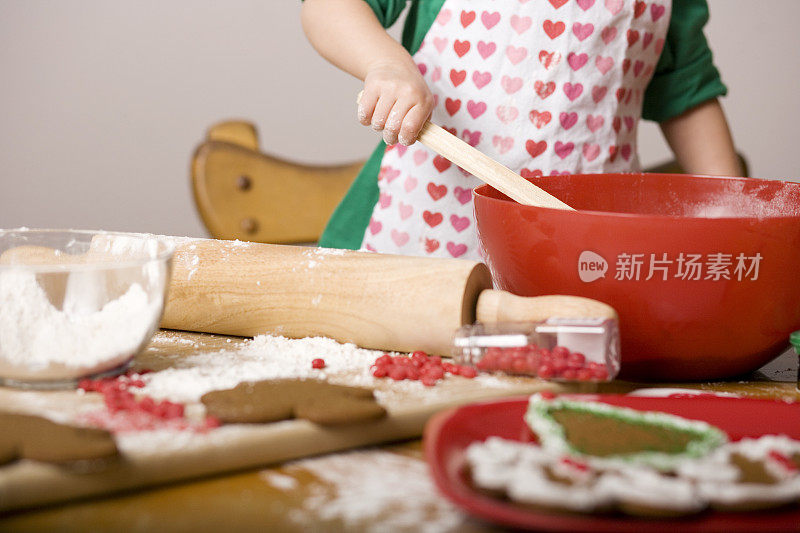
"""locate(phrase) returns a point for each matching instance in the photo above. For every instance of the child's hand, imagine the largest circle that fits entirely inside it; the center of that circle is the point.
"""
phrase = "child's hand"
(395, 100)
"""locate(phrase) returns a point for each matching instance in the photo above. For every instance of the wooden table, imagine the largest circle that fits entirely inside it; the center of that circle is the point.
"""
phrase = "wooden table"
(297, 497)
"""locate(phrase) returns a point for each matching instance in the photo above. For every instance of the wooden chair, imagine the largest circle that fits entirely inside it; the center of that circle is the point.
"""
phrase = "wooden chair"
(243, 193)
(246, 194)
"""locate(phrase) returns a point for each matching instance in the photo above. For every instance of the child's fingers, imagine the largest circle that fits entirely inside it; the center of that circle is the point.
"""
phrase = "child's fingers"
(381, 113)
(395, 120)
(414, 120)
(366, 106)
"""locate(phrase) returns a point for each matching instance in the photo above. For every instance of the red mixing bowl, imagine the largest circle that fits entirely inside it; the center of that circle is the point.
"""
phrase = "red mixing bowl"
(703, 271)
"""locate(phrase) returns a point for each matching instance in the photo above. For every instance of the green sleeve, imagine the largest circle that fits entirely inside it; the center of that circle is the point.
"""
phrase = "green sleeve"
(419, 21)
(387, 11)
(685, 75)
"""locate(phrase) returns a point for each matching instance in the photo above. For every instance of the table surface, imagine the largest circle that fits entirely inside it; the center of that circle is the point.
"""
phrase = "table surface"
(382, 488)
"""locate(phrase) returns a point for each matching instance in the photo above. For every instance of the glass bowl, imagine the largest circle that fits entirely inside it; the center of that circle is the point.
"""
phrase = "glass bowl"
(77, 304)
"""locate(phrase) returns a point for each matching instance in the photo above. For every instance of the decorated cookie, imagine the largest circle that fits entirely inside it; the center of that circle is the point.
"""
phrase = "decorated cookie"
(273, 400)
(750, 474)
(594, 458)
(531, 476)
(40, 439)
(642, 491)
(609, 434)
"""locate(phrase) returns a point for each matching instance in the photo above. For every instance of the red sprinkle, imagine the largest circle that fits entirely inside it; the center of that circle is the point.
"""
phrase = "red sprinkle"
(435, 372)
(467, 372)
(428, 381)
(428, 369)
(212, 422)
(578, 465)
(126, 412)
(558, 363)
(398, 373)
(318, 363)
(782, 460)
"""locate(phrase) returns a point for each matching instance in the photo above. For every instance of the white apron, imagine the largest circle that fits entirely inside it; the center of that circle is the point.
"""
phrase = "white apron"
(543, 86)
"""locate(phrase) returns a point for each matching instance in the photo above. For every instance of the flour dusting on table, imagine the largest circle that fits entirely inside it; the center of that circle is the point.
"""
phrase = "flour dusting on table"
(370, 490)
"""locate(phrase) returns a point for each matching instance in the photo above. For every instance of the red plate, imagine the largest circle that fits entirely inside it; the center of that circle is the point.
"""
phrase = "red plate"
(450, 432)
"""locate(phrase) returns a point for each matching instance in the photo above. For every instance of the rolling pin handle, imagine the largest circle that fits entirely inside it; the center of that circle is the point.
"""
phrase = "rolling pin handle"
(501, 306)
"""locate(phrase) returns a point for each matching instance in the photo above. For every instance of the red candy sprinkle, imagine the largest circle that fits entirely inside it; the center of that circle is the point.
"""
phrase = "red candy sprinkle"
(467, 372)
(212, 422)
(546, 372)
(569, 374)
(782, 460)
(318, 363)
(428, 369)
(126, 412)
(558, 363)
(578, 465)
(435, 372)
(428, 381)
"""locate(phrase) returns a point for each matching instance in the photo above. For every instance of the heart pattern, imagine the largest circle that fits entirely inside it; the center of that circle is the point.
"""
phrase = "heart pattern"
(546, 87)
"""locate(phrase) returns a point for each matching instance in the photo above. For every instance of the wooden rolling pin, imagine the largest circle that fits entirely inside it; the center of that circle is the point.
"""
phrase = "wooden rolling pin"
(378, 301)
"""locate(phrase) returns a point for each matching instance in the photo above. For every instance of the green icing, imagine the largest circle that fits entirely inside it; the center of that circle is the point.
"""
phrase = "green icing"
(617, 433)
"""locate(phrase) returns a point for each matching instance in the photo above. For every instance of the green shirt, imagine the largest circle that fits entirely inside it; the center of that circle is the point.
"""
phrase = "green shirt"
(685, 77)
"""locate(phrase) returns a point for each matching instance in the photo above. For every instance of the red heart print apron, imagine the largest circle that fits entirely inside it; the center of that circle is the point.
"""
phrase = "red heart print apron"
(543, 86)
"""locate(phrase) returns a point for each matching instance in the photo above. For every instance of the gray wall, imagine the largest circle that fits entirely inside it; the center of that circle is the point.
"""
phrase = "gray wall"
(102, 101)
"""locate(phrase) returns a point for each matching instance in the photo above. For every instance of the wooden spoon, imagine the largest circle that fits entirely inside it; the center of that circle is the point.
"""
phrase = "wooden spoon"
(485, 168)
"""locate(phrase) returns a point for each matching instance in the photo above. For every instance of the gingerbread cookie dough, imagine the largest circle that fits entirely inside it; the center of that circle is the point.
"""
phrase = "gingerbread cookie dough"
(273, 400)
(40, 439)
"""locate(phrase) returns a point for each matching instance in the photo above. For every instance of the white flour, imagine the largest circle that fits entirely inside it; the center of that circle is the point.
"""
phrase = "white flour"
(275, 357)
(370, 490)
(35, 335)
(264, 357)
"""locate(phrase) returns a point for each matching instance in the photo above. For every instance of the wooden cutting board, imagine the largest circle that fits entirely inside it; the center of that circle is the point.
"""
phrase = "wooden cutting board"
(151, 458)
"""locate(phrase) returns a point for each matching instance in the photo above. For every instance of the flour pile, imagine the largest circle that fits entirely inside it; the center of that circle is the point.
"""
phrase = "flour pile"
(85, 335)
